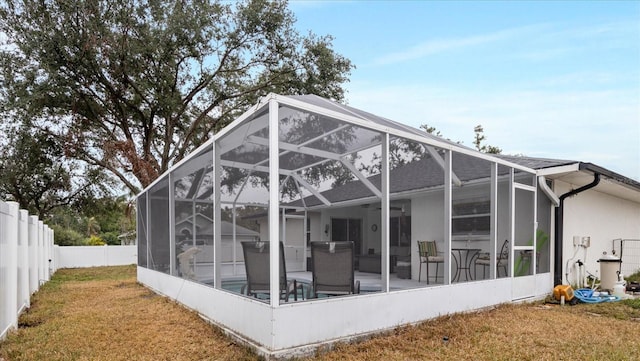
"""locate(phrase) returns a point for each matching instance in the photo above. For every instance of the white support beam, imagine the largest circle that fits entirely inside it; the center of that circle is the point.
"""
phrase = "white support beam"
(287, 173)
(436, 156)
(234, 241)
(361, 176)
(493, 232)
(512, 220)
(258, 168)
(217, 218)
(326, 134)
(304, 204)
(244, 184)
(415, 136)
(282, 184)
(362, 148)
(200, 181)
(274, 200)
(238, 133)
(384, 222)
(447, 217)
(195, 164)
(298, 170)
(524, 187)
(199, 201)
(252, 204)
(311, 189)
(149, 231)
(534, 246)
(352, 151)
(297, 149)
(309, 142)
(173, 267)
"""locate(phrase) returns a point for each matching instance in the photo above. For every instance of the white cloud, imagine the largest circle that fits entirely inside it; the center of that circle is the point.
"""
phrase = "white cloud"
(436, 46)
(537, 42)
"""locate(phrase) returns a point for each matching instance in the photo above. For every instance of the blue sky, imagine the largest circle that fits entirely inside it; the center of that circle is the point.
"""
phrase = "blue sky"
(545, 79)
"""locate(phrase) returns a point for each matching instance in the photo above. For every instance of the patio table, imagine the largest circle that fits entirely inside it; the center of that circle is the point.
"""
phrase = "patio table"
(464, 258)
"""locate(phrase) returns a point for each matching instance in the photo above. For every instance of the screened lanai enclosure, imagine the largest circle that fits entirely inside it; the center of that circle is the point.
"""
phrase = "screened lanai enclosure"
(296, 173)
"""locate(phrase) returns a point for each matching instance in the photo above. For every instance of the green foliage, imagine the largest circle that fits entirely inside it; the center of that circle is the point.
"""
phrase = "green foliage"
(133, 86)
(67, 217)
(480, 138)
(66, 236)
(34, 172)
(103, 215)
(431, 130)
(106, 218)
(95, 241)
(522, 264)
(633, 277)
(110, 238)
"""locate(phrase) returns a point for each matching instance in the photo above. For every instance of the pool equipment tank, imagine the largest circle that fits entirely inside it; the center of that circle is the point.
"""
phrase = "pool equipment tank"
(609, 267)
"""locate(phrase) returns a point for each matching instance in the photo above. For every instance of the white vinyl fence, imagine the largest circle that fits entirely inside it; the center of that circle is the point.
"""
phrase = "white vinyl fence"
(28, 258)
(94, 256)
(26, 250)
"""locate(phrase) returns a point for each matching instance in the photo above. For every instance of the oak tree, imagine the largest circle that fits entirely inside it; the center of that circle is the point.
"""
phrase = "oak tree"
(133, 86)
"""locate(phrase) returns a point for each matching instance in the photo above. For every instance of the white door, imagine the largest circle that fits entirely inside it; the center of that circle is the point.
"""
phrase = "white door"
(523, 255)
(293, 237)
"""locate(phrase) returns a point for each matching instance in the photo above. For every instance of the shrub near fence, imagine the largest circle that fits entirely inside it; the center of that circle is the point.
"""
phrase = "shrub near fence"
(26, 250)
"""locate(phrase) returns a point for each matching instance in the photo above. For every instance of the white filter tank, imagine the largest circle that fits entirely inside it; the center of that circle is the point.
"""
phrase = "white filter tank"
(609, 268)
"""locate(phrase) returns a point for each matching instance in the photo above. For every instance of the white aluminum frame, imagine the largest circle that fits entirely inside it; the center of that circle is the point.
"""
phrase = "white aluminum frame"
(327, 320)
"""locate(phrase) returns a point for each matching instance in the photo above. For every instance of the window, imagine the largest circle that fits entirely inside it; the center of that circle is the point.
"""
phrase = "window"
(400, 231)
(347, 229)
(471, 217)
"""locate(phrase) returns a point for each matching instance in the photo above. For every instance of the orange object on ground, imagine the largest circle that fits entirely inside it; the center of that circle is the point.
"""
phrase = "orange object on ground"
(563, 290)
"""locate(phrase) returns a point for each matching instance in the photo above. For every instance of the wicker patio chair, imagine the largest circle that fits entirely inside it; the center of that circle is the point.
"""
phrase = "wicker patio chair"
(502, 260)
(428, 252)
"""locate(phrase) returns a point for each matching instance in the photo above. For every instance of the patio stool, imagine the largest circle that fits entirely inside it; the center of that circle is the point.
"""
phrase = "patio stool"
(403, 269)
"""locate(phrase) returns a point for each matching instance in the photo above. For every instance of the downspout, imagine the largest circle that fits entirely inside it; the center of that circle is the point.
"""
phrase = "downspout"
(559, 227)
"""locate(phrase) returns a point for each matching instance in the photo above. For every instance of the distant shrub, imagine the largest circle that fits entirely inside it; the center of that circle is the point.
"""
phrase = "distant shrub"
(66, 236)
(95, 241)
(634, 277)
(110, 238)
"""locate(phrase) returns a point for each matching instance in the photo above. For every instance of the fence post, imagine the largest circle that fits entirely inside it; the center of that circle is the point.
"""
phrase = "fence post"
(33, 254)
(41, 253)
(24, 254)
(49, 256)
(12, 266)
(52, 253)
(56, 256)
(23, 261)
(5, 256)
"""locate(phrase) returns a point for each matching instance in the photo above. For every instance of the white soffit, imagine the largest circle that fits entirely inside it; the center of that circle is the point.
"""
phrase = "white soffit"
(607, 185)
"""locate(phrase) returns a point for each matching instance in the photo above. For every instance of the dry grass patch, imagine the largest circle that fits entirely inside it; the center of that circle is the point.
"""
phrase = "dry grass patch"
(508, 332)
(103, 314)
